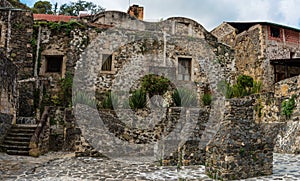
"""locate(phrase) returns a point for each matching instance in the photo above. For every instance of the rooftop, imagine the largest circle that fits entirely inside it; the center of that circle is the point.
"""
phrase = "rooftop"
(53, 18)
(242, 26)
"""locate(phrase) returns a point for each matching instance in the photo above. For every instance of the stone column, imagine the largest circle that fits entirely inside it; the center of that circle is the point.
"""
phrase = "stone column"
(240, 148)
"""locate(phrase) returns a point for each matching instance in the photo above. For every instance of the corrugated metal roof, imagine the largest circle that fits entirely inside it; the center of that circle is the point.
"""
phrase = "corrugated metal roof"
(53, 18)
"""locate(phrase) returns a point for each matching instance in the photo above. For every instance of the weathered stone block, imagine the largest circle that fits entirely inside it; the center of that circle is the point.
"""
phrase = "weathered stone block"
(240, 149)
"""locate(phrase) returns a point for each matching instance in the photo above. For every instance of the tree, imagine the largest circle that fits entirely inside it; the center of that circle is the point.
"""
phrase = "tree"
(73, 8)
(55, 8)
(42, 7)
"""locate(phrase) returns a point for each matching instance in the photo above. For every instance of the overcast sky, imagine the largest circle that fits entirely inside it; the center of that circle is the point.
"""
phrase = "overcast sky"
(209, 13)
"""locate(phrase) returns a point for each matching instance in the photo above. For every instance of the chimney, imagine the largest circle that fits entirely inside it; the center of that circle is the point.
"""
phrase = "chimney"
(136, 11)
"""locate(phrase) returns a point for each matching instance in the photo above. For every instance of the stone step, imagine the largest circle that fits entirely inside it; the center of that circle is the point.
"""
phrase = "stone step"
(17, 152)
(18, 138)
(19, 143)
(16, 134)
(23, 129)
(25, 126)
(15, 147)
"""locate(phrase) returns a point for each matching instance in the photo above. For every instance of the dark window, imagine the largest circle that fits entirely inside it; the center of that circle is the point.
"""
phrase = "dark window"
(106, 62)
(184, 68)
(275, 32)
(54, 63)
(279, 77)
(292, 54)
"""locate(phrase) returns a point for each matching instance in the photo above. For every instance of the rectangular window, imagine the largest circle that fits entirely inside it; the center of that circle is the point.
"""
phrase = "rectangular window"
(275, 32)
(106, 62)
(292, 55)
(54, 63)
(184, 69)
(279, 77)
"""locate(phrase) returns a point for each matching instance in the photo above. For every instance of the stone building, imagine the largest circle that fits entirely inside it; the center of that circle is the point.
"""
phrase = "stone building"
(16, 28)
(266, 51)
(112, 51)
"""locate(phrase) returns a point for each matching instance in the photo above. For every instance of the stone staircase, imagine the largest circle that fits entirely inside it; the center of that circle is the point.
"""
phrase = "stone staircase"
(17, 140)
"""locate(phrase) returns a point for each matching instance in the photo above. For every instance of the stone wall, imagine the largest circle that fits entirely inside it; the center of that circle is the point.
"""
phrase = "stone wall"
(268, 112)
(8, 87)
(255, 47)
(289, 136)
(136, 53)
(5, 125)
(240, 149)
(8, 95)
(158, 134)
(16, 35)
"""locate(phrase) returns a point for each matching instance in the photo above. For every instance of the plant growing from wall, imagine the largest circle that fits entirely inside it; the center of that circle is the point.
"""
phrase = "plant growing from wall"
(258, 108)
(184, 98)
(110, 101)
(138, 99)
(206, 99)
(288, 106)
(65, 93)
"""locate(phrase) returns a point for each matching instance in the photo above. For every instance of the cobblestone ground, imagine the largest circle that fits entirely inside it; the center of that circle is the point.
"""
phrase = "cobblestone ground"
(62, 166)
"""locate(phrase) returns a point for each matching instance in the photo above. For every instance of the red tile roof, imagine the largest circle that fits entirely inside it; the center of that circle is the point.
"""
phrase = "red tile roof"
(53, 18)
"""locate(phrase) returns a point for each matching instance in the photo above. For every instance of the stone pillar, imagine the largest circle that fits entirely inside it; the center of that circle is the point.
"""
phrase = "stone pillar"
(240, 148)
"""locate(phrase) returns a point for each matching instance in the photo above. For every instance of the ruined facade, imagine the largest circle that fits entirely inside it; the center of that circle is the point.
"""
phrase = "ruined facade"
(111, 51)
(266, 51)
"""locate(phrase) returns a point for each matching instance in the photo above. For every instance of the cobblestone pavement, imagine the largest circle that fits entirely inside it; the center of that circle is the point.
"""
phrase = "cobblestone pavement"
(62, 166)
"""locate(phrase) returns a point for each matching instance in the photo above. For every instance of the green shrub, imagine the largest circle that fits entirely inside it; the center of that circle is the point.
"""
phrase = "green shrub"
(83, 98)
(66, 90)
(206, 99)
(184, 98)
(225, 88)
(288, 106)
(110, 101)
(155, 84)
(256, 87)
(245, 86)
(138, 99)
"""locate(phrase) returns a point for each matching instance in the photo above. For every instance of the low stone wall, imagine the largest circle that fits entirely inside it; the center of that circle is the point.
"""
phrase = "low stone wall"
(5, 125)
(288, 87)
(161, 135)
(288, 140)
(240, 149)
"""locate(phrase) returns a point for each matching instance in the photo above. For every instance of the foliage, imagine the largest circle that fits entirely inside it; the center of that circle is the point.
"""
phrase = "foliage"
(245, 86)
(257, 85)
(42, 7)
(258, 108)
(55, 8)
(138, 99)
(83, 98)
(73, 8)
(66, 90)
(59, 26)
(184, 98)
(288, 106)
(225, 88)
(206, 99)
(155, 84)
(110, 101)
